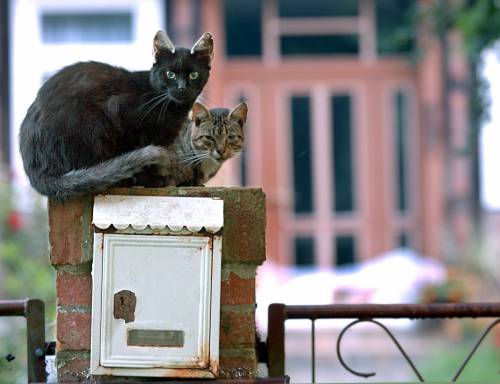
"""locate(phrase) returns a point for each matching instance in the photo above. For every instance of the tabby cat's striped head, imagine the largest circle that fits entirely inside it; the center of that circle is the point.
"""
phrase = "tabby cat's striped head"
(218, 131)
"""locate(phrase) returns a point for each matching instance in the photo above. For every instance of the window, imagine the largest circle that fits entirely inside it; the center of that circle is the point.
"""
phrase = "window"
(86, 27)
(403, 151)
(317, 8)
(345, 252)
(301, 152)
(304, 252)
(395, 26)
(342, 153)
(323, 205)
(319, 45)
(243, 27)
(318, 27)
(403, 239)
(401, 148)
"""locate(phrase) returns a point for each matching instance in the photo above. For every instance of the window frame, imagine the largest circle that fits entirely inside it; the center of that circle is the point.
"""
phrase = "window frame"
(403, 221)
(274, 27)
(323, 222)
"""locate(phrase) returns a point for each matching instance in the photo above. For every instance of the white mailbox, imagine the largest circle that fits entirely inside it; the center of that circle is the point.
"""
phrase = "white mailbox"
(156, 286)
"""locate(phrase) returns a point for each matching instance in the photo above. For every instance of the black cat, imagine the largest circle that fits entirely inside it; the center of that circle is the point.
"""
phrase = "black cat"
(93, 125)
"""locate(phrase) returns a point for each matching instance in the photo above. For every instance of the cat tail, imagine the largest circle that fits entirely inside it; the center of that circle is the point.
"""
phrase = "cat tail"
(100, 176)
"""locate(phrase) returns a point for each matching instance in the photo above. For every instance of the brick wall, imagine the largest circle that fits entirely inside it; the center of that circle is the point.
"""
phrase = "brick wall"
(243, 250)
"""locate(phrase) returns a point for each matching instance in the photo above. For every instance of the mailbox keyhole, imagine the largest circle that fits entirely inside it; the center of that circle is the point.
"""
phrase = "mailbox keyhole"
(124, 306)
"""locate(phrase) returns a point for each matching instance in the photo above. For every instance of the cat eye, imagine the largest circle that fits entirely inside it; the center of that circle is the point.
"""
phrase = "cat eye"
(193, 75)
(232, 137)
(209, 138)
(170, 75)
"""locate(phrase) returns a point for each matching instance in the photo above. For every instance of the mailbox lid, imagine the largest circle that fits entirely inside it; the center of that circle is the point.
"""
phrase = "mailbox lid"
(158, 212)
(170, 278)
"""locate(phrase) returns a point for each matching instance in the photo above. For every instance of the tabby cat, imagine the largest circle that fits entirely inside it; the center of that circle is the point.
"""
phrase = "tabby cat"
(207, 139)
(93, 125)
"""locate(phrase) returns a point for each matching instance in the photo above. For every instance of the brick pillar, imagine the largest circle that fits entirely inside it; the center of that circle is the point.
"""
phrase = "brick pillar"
(243, 250)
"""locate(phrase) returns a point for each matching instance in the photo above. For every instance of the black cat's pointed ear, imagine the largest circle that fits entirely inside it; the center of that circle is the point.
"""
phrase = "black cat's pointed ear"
(162, 43)
(239, 114)
(204, 46)
(199, 113)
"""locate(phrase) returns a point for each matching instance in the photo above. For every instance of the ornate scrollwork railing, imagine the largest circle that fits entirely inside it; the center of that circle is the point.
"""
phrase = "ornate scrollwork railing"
(362, 313)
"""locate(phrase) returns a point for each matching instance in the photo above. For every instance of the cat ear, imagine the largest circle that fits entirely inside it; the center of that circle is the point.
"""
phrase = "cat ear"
(199, 113)
(162, 43)
(239, 114)
(204, 46)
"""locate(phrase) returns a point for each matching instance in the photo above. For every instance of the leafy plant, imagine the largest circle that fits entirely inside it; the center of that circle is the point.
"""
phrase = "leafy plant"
(25, 272)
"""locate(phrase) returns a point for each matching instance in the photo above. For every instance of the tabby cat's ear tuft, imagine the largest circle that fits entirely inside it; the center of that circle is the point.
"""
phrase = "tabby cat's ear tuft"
(239, 114)
(199, 113)
(161, 43)
(204, 46)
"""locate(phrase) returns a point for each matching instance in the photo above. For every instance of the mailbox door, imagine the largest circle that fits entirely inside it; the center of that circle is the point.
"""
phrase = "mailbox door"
(155, 301)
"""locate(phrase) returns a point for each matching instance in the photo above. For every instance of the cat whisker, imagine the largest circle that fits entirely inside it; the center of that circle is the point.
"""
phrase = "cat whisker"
(194, 152)
(162, 107)
(155, 102)
(164, 110)
(187, 158)
(155, 98)
(193, 159)
(162, 98)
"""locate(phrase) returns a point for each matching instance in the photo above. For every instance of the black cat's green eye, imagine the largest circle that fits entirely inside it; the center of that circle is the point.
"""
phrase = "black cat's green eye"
(193, 75)
(170, 75)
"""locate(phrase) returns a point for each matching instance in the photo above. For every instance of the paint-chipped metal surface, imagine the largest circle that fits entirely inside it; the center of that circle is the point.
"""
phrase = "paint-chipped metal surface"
(157, 262)
(124, 305)
(158, 212)
(173, 331)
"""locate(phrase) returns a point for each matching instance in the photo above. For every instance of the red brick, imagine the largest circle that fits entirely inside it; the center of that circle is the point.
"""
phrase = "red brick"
(66, 231)
(73, 289)
(73, 331)
(236, 290)
(238, 367)
(244, 226)
(74, 370)
(237, 329)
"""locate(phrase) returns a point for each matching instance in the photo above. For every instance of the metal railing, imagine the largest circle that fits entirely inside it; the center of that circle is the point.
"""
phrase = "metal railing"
(279, 313)
(34, 312)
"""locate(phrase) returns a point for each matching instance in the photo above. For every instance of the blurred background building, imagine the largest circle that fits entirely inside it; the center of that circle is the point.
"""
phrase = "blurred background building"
(359, 129)
(363, 132)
